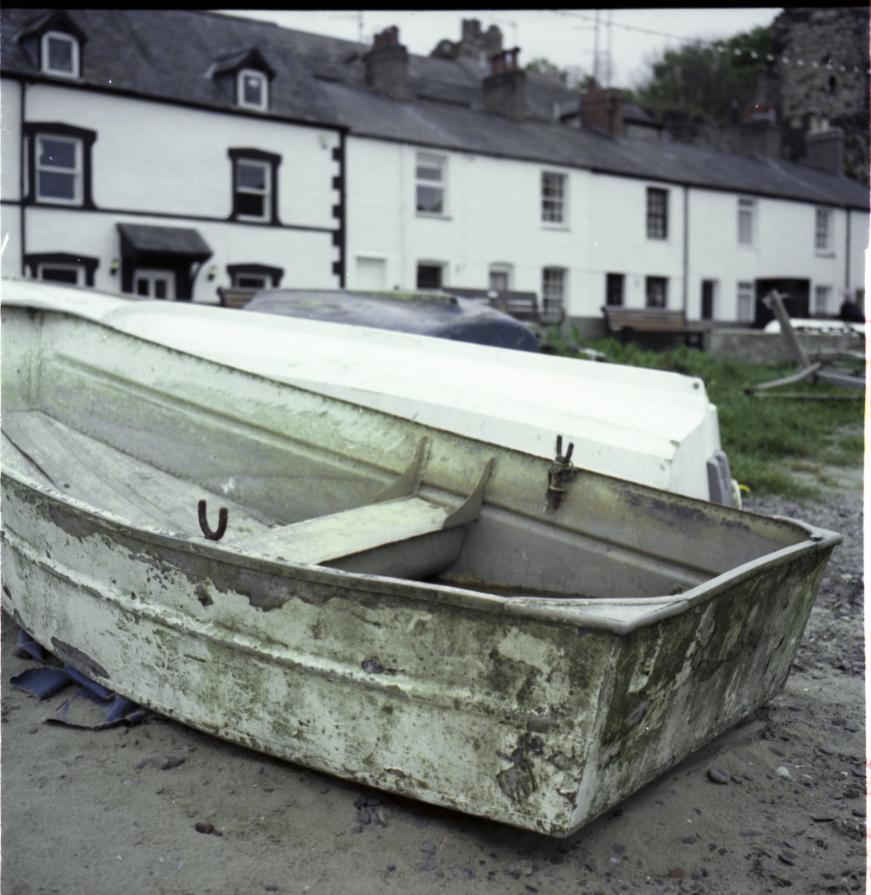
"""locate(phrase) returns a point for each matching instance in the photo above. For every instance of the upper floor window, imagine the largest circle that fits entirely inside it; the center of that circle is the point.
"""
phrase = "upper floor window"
(657, 213)
(747, 222)
(252, 89)
(60, 54)
(656, 289)
(59, 171)
(553, 198)
(823, 230)
(430, 183)
(255, 175)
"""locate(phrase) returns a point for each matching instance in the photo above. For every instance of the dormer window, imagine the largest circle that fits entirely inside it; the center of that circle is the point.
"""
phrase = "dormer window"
(60, 54)
(253, 89)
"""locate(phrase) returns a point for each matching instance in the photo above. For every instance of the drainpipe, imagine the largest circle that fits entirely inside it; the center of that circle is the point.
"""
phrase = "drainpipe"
(847, 255)
(22, 218)
(686, 246)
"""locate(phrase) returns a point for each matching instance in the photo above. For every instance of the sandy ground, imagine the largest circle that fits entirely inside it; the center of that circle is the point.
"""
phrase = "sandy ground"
(82, 814)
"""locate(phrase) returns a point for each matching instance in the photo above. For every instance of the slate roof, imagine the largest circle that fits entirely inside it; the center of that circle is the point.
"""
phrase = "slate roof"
(318, 79)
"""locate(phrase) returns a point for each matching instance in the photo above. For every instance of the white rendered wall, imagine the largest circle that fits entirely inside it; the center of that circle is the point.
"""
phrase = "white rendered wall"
(783, 247)
(492, 216)
(166, 165)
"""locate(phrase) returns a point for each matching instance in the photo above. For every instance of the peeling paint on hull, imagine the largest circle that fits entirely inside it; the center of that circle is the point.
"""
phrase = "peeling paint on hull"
(540, 712)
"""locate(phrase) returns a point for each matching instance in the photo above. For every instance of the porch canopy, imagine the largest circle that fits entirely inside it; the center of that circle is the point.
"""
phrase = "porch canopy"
(146, 242)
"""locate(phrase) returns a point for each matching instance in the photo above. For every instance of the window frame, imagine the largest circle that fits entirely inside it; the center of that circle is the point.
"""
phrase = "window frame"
(657, 219)
(241, 102)
(649, 282)
(745, 288)
(271, 276)
(614, 278)
(504, 268)
(270, 163)
(561, 201)
(436, 161)
(548, 299)
(32, 132)
(77, 173)
(78, 269)
(751, 207)
(821, 213)
(75, 56)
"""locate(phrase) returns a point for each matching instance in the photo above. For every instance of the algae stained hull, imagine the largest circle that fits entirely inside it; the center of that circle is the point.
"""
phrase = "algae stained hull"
(390, 603)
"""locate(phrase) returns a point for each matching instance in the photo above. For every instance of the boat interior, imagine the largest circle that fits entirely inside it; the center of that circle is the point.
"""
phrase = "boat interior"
(164, 440)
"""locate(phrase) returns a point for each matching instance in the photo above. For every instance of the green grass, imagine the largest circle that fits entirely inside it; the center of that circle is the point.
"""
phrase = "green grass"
(768, 440)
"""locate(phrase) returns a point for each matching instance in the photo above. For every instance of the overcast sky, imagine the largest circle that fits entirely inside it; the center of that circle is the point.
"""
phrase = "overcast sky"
(566, 37)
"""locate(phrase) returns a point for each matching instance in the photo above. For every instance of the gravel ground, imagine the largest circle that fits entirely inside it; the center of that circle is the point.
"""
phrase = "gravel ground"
(160, 808)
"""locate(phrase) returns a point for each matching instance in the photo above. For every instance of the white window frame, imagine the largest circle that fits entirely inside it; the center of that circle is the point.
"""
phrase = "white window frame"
(74, 56)
(823, 235)
(264, 280)
(660, 216)
(826, 292)
(745, 289)
(648, 282)
(750, 207)
(77, 269)
(77, 172)
(266, 192)
(431, 160)
(501, 267)
(557, 216)
(549, 291)
(263, 105)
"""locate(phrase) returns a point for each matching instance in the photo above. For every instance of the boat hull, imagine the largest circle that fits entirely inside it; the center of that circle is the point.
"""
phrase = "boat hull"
(523, 712)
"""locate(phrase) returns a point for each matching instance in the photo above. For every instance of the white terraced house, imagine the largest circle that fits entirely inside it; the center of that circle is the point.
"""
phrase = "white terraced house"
(171, 153)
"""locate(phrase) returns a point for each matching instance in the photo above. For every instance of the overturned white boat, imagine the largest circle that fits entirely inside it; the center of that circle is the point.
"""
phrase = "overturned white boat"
(648, 426)
(406, 607)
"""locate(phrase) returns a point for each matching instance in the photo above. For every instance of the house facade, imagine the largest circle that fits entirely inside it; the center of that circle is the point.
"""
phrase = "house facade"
(277, 158)
(114, 179)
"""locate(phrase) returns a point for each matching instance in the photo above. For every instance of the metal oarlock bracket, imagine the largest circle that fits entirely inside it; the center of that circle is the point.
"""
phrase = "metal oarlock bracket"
(204, 522)
(561, 471)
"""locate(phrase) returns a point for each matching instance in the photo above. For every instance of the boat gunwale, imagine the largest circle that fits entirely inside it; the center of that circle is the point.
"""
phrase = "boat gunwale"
(585, 612)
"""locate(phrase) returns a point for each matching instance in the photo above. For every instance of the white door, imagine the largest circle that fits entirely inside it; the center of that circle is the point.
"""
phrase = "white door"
(371, 274)
(154, 284)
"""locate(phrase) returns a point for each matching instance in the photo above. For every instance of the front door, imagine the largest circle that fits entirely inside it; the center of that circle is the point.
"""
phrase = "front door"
(708, 292)
(148, 283)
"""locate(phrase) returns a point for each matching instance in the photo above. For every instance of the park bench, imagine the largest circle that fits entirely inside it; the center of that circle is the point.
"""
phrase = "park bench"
(623, 322)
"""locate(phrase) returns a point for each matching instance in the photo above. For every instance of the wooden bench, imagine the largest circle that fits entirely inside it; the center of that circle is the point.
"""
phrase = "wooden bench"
(625, 321)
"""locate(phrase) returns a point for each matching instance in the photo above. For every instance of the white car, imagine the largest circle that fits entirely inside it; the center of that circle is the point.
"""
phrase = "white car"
(647, 426)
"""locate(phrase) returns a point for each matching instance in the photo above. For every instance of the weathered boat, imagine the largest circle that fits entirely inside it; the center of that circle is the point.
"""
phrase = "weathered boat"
(649, 426)
(405, 607)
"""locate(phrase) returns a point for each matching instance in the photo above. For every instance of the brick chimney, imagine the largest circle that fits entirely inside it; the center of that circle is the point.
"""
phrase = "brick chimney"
(601, 109)
(386, 65)
(824, 149)
(505, 86)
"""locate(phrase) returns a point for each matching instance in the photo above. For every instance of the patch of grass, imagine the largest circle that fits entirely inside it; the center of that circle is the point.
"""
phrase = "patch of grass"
(763, 437)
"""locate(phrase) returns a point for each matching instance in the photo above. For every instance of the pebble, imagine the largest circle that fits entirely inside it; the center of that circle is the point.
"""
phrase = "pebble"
(715, 775)
(391, 867)
(853, 728)
(161, 762)
(783, 772)
(787, 857)
(858, 812)
(202, 826)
